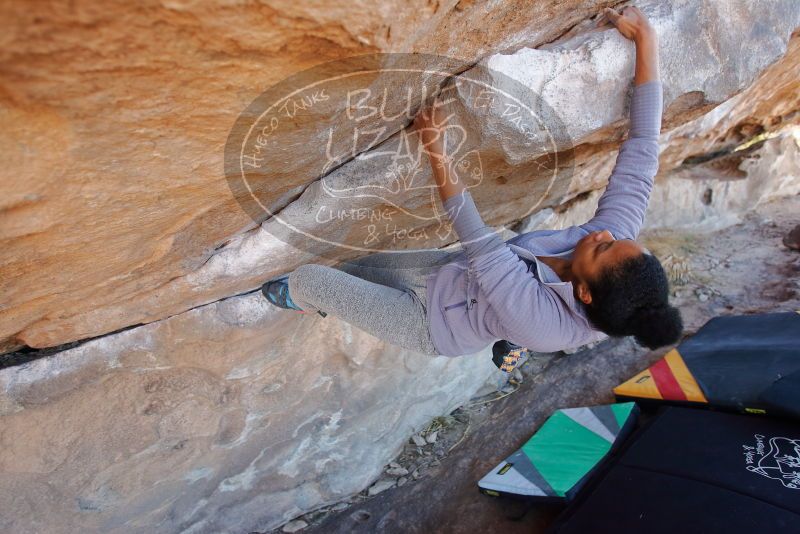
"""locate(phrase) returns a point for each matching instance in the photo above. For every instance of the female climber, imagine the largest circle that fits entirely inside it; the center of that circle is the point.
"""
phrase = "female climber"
(546, 290)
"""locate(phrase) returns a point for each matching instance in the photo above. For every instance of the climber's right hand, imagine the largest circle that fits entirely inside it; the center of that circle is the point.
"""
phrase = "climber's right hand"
(631, 22)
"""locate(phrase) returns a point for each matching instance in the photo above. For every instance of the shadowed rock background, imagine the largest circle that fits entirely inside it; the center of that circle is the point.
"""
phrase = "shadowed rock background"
(200, 408)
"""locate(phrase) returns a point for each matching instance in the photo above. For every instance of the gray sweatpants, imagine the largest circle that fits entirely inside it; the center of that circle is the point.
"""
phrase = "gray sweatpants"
(383, 294)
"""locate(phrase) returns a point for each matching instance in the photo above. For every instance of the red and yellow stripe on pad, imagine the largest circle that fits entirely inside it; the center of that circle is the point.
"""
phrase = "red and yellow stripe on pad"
(667, 379)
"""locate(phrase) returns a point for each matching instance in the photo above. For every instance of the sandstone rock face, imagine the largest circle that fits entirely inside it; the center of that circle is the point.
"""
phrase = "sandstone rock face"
(701, 197)
(223, 414)
(114, 122)
(723, 182)
(210, 421)
(127, 219)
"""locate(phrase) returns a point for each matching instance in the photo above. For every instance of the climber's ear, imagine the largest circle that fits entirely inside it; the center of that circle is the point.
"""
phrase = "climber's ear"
(584, 295)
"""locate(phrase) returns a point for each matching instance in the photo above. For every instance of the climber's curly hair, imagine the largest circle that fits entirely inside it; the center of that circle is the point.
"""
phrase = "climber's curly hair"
(631, 299)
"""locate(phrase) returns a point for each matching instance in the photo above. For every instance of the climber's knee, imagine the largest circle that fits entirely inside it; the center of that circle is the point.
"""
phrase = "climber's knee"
(301, 280)
(309, 271)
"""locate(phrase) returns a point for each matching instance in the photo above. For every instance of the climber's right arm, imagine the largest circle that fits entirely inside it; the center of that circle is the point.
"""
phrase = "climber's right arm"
(634, 26)
(622, 208)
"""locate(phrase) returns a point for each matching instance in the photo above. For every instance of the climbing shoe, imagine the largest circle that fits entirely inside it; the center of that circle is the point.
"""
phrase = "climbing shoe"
(506, 355)
(277, 292)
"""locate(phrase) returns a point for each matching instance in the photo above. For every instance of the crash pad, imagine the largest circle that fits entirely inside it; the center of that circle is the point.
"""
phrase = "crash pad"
(729, 363)
(556, 461)
(699, 471)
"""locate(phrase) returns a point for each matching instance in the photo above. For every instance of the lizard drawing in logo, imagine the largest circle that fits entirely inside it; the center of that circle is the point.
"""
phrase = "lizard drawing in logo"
(781, 462)
(403, 163)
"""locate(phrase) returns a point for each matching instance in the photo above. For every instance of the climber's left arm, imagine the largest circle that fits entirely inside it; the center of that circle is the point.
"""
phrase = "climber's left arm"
(476, 238)
(430, 125)
(530, 314)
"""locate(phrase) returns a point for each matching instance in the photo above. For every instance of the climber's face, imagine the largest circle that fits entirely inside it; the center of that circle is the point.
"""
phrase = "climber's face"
(594, 254)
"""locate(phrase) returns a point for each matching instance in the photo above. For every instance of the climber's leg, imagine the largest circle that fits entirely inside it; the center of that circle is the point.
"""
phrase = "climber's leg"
(408, 270)
(397, 316)
(276, 291)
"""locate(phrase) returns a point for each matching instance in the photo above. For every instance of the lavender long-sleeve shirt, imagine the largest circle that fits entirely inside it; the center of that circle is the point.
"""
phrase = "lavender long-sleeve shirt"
(488, 293)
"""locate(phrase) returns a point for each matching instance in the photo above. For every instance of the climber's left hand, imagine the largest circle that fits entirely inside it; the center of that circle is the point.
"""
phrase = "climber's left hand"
(430, 125)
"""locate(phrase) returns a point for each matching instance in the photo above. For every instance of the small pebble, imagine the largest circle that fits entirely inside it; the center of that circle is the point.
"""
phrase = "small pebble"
(294, 526)
(394, 464)
(397, 471)
(401, 481)
(702, 294)
(432, 437)
(381, 485)
(415, 475)
(419, 441)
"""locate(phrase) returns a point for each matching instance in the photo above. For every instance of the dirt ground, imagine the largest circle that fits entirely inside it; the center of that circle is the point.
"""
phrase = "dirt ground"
(432, 485)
